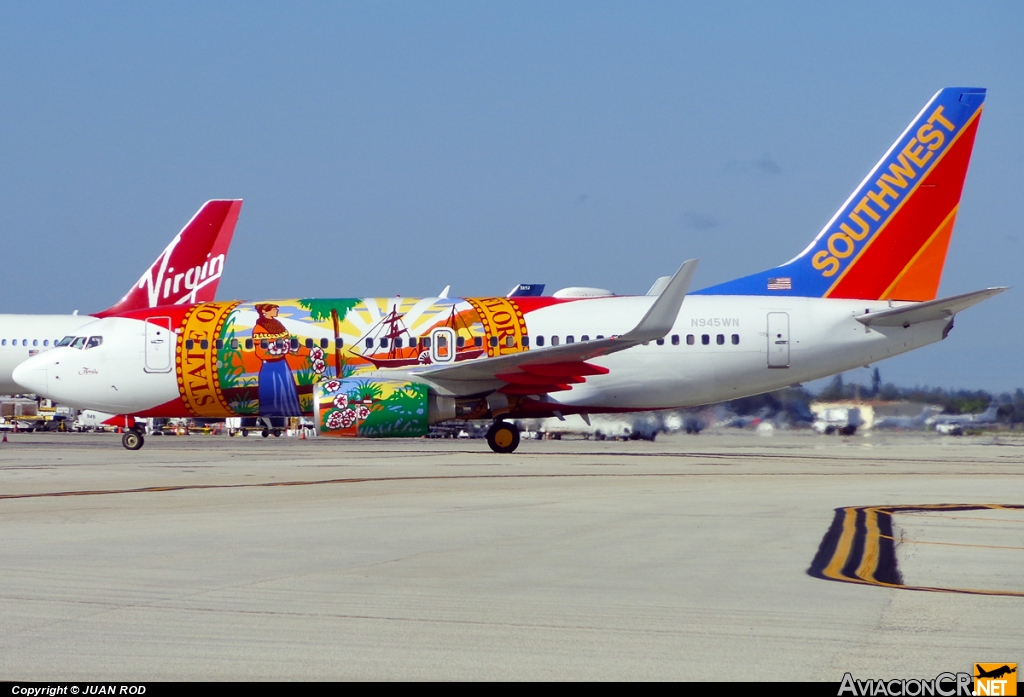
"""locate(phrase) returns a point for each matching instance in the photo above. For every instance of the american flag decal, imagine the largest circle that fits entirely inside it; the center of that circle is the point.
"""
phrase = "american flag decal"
(780, 284)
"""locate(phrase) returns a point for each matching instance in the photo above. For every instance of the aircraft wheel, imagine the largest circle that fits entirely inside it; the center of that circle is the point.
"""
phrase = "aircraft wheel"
(132, 440)
(266, 433)
(503, 437)
(277, 433)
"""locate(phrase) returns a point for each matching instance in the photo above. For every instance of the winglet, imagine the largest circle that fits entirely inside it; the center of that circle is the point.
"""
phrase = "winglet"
(663, 313)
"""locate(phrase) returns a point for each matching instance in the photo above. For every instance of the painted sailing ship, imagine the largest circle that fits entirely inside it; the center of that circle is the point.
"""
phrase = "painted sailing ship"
(392, 345)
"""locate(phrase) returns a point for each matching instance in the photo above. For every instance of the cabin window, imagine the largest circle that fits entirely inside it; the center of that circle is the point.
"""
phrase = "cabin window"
(478, 341)
(494, 341)
(585, 337)
(278, 344)
(600, 336)
(412, 342)
(264, 343)
(46, 342)
(720, 339)
(425, 342)
(398, 342)
(384, 342)
(189, 344)
(78, 343)
(526, 341)
(660, 342)
(689, 339)
(554, 340)
(369, 343)
(324, 343)
(3, 342)
(248, 344)
(234, 344)
(675, 339)
(460, 342)
(338, 343)
(735, 339)
(24, 342)
(705, 339)
(510, 341)
(570, 339)
(35, 342)
(294, 343)
(540, 340)
(309, 343)
(94, 341)
(219, 344)
(204, 345)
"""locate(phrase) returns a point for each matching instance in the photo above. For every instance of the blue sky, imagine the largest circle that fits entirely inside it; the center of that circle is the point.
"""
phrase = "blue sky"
(389, 148)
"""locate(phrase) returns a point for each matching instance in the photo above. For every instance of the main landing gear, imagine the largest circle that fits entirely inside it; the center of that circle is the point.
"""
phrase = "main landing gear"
(132, 439)
(503, 437)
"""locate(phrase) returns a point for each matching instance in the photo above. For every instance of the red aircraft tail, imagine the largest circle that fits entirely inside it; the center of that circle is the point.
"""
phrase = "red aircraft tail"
(189, 269)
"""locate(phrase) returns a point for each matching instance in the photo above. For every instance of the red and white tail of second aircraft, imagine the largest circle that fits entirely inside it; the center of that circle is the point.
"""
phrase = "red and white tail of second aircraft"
(187, 271)
(864, 289)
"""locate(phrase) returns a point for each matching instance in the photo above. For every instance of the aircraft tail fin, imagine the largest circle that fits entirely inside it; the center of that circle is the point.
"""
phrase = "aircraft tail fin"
(190, 267)
(889, 240)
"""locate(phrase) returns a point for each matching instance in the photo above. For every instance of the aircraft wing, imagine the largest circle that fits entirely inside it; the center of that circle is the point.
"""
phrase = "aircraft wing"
(927, 311)
(541, 370)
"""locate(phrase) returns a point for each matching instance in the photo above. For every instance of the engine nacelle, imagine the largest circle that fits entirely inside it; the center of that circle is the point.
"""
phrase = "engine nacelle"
(376, 408)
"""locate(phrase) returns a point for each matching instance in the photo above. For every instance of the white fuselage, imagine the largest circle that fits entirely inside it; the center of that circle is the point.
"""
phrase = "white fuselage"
(809, 338)
(23, 336)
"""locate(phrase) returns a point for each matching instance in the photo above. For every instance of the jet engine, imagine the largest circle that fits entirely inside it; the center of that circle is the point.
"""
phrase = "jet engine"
(379, 408)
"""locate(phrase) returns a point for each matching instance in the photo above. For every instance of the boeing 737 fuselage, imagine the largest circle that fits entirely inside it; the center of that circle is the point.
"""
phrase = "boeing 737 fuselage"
(863, 290)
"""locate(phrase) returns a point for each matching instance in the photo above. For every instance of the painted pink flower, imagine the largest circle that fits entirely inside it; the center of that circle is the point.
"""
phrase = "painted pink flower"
(317, 354)
(336, 420)
(363, 411)
(348, 417)
(341, 401)
(332, 386)
(319, 366)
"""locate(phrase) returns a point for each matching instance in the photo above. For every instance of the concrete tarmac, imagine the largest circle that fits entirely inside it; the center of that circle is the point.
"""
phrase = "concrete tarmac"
(227, 558)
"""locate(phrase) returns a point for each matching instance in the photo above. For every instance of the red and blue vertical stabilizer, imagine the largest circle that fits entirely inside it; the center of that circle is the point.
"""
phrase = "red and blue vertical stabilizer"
(889, 240)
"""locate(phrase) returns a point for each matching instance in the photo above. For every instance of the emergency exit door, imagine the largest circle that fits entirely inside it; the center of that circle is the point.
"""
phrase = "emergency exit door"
(442, 345)
(159, 345)
(778, 340)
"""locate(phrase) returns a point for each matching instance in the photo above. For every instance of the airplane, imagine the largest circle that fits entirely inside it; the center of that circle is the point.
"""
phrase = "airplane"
(187, 271)
(953, 424)
(908, 423)
(863, 290)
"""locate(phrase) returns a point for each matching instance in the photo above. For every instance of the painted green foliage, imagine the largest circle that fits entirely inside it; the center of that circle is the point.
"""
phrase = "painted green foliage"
(373, 408)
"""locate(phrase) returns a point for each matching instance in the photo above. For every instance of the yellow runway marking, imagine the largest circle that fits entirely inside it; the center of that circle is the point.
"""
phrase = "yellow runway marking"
(860, 548)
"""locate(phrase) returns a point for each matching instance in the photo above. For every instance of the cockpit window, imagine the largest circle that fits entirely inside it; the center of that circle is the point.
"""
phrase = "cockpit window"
(78, 342)
(94, 341)
(65, 341)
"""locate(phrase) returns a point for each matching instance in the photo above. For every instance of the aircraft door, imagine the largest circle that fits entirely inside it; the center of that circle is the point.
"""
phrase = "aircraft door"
(159, 344)
(778, 340)
(442, 345)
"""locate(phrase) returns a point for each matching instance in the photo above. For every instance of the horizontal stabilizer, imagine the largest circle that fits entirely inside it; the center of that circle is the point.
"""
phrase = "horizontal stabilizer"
(927, 311)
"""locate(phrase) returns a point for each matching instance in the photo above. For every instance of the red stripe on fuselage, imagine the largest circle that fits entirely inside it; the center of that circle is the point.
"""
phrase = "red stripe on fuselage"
(911, 226)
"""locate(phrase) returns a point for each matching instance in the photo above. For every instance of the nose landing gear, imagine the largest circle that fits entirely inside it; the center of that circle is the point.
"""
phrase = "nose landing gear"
(503, 437)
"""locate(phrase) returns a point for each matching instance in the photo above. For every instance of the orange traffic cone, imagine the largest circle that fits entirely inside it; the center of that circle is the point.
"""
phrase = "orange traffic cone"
(5, 438)
(303, 436)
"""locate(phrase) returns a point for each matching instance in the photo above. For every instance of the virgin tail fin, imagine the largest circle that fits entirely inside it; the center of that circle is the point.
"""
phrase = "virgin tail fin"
(190, 267)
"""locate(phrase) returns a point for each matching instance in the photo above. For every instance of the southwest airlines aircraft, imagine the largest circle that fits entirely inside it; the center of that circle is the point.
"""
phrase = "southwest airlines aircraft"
(863, 290)
(187, 271)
